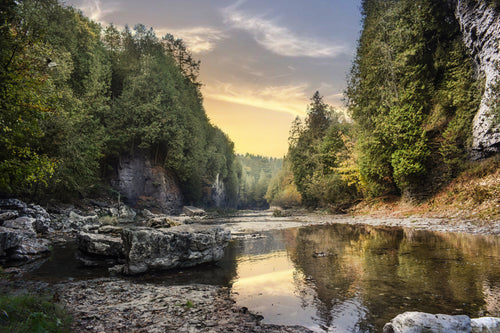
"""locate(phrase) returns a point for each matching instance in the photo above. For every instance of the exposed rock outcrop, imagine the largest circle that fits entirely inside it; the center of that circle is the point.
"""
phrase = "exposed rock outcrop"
(182, 246)
(22, 228)
(420, 322)
(480, 25)
(143, 184)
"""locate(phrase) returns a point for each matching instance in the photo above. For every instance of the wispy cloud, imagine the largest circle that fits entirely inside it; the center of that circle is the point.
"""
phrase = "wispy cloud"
(95, 10)
(279, 39)
(290, 99)
(198, 39)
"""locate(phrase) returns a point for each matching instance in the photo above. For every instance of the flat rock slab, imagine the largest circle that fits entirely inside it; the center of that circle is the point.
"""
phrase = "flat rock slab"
(113, 305)
(148, 249)
(193, 211)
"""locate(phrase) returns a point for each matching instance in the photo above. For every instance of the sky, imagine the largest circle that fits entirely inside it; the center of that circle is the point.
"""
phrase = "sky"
(261, 60)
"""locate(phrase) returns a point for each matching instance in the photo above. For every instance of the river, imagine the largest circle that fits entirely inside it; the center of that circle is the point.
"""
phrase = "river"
(339, 278)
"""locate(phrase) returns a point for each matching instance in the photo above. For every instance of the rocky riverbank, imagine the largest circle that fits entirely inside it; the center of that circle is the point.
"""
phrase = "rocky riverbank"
(117, 305)
(248, 223)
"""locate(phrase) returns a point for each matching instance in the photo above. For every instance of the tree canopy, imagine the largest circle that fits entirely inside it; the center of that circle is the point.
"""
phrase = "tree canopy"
(76, 96)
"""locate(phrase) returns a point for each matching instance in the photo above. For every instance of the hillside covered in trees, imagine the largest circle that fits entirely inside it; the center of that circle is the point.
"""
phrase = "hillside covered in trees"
(256, 173)
(75, 96)
(412, 95)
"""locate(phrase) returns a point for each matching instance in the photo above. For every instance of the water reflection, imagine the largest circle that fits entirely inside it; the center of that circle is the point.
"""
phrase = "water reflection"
(354, 279)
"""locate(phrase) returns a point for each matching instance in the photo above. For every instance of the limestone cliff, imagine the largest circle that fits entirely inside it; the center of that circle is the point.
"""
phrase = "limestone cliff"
(480, 25)
(144, 185)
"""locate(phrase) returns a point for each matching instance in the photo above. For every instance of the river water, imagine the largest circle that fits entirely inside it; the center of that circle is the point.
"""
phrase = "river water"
(342, 278)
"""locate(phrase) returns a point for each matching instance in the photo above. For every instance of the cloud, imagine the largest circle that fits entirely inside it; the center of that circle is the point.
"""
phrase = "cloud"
(291, 99)
(198, 39)
(278, 39)
(95, 10)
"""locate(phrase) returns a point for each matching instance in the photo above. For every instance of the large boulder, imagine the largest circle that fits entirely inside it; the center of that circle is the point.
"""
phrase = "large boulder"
(420, 322)
(20, 226)
(21, 245)
(24, 223)
(485, 325)
(100, 245)
(181, 246)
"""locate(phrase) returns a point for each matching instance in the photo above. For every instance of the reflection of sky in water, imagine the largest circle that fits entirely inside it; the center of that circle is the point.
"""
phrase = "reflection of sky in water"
(270, 285)
(267, 284)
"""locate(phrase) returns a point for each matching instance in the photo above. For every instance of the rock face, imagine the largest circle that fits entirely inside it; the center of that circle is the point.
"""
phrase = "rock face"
(182, 246)
(144, 185)
(480, 25)
(419, 322)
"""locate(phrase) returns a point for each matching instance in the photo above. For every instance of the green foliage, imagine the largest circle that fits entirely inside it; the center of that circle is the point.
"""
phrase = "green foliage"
(25, 101)
(75, 97)
(282, 191)
(412, 94)
(314, 153)
(256, 173)
(32, 313)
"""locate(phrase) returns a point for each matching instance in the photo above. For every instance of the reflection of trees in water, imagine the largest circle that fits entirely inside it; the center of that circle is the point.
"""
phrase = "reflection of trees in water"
(492, 297)
(395, 270)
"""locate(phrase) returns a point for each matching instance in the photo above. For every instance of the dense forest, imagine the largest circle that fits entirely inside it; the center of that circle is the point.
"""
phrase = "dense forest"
(75, 96)
(256, 173)
(412, 95)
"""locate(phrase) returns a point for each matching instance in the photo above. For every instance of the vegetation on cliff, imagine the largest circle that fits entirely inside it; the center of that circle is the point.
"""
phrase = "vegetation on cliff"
(412, 95)
(77, 96)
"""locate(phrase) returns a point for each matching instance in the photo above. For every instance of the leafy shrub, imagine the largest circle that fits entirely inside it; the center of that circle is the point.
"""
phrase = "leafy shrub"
(32, 313)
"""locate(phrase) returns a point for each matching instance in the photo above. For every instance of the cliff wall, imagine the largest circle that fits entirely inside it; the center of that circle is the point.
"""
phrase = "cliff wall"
(480, 25)
(146, 186)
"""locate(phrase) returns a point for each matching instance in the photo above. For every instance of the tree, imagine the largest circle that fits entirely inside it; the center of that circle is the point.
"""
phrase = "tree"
(313, 156)
(399, 95)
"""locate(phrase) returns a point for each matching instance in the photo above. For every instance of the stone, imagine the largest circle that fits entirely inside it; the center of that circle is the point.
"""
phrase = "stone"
(18, 244)
(126, 214)
(485, 325)
(100, 245)
(419, 322)
(9, 239)
(110, 229)
(30, 248)
(193, 211)
(161, 222)
(8, 215)
(12, 204)
(148, 249)
(24, 223)
(78, 221)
